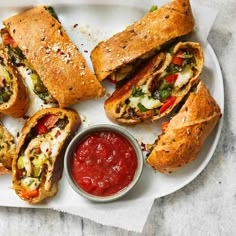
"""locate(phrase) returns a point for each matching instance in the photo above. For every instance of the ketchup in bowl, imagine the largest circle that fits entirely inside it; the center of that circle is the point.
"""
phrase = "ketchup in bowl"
(104, 162)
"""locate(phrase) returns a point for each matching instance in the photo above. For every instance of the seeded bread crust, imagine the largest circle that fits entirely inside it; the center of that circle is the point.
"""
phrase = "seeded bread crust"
(61, 67)
(143, 37)
(186, 132)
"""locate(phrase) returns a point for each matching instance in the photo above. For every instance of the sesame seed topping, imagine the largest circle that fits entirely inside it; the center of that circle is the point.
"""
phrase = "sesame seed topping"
(108, 49)
(56, 47)
(48, 50)
(82, 66)
(82, 73)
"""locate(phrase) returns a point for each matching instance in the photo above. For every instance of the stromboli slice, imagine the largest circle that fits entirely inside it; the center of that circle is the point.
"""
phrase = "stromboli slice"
(50, 52)
(184, 135)
(7, 150)
(14, 100)
(158, 86)
(38, 163)
(117, 56)
(18, 61)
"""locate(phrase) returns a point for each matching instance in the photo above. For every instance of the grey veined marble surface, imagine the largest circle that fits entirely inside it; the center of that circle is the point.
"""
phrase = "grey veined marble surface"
(207, 206)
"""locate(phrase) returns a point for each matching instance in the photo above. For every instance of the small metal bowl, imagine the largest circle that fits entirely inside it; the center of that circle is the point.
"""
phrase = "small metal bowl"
(72, 148)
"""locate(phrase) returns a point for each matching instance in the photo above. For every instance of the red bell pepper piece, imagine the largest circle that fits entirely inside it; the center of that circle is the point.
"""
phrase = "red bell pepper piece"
(171, 78)
(177, 60)
(168, 104)
(112, 79)
(46, 123)
(8, 40)
(41, 129)
(29, 194)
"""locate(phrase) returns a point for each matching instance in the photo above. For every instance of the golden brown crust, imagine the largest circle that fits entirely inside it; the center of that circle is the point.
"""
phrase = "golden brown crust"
(147, 34)
(7, 150)
(61, 67)
(4, 170)
(18, 103)
(56, 172)
(147, 72)
(186, 132)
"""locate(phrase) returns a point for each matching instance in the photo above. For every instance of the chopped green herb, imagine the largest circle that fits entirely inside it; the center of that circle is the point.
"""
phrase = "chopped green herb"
(164, 85)
(164, 94)
(133, 90)
(153, 8)
(172, 68)
(6, 75)
(137, 92)
(186, 55)
(142, 108)
(171, 50)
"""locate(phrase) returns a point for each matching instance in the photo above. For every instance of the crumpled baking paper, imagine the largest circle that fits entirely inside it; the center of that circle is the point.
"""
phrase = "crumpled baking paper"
(130, 212)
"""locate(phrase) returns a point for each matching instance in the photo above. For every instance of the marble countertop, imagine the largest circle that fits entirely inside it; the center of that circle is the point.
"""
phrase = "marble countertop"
(206, 206)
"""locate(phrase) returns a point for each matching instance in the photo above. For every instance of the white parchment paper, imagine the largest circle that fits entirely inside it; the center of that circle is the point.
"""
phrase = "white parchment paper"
(97, 20)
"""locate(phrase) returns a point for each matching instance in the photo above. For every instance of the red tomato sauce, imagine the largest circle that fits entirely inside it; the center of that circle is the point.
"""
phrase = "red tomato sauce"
(104, 163)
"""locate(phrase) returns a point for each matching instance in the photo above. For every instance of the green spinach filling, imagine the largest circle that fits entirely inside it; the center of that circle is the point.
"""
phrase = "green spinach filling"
(6, 83)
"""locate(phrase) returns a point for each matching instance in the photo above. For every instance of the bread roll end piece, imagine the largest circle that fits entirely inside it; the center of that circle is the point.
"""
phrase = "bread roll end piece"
(51, 53)
(186, 132)
(143, 39)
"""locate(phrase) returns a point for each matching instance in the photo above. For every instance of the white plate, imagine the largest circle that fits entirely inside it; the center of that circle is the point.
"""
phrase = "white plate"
(95, 23)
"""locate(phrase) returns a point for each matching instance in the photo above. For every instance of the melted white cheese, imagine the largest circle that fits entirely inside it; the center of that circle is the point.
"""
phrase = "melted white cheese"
(147, 101)
(184, 76)
(30, 183)
(49, 145)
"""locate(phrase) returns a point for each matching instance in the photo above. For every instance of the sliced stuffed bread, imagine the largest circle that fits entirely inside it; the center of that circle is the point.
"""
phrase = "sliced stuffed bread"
(60, 71)
(184, 135)
(14, 100)
(117, 57)
(38, 163)
(158, 86)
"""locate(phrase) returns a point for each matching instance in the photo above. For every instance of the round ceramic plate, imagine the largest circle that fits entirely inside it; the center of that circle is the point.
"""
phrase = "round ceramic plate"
(87, 24)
